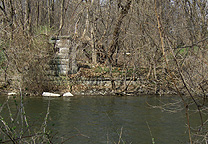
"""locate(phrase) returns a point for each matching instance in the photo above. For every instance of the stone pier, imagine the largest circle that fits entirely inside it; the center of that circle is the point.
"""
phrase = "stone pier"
(62, 64)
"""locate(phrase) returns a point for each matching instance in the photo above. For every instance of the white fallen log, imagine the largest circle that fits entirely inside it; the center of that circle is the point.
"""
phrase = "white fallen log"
(48, 94)
(67, 94)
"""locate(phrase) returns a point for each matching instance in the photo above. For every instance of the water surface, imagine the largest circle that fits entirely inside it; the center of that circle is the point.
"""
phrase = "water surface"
(107, 120)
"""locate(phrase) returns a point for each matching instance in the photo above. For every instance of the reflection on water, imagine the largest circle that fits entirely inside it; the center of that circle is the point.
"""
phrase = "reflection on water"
(102, 120)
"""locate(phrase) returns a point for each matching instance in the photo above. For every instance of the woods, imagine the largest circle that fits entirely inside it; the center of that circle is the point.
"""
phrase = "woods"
(166, 40)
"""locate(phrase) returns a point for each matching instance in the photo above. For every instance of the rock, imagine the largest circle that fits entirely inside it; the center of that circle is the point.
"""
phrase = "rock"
(67, 94)
(12, 94)
(50, 94)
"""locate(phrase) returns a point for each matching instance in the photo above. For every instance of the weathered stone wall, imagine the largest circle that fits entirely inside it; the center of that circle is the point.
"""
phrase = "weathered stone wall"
(94, 86)
(61, 62)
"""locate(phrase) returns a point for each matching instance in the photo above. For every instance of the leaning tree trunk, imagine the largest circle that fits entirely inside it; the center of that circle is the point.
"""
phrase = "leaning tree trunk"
(62, 15)
(28, 15)
(114, 43)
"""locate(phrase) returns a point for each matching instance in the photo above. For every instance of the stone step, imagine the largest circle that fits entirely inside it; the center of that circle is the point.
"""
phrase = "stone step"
(62, 56)
(64, 50)
(59, 61)
(62, 43)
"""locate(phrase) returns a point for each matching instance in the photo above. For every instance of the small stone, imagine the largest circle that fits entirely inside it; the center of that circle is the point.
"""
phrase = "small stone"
(50, 94)
(67, 94)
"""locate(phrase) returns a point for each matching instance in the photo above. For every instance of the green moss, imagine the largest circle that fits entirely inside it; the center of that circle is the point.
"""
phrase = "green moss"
(184, 51)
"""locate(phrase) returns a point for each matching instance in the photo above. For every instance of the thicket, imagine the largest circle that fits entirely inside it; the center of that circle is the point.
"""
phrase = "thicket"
(160, 41)
(25, 61)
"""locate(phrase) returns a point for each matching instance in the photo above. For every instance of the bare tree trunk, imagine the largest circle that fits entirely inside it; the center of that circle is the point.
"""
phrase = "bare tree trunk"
(114, 43)
(74, 67)
(28, 15)
(12, 13)
(50, 13)
(62, 15)
(91, 16)
(38, 13)
(90, 24)
(41, 12)
(94, 53)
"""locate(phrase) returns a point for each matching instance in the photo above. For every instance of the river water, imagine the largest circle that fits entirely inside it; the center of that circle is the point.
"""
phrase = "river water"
(108, 119)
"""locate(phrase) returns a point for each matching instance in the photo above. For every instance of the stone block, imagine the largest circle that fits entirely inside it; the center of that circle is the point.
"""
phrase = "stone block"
(60, 62)
(64, 50)
(63, 67)
(64, 61)
(62, 43)
(63, 56)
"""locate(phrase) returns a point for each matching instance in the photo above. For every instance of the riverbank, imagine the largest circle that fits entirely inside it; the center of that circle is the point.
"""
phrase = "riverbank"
(100, 80)
(92, 80)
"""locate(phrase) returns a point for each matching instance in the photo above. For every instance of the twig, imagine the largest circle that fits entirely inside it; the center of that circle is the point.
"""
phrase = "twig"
(44, 125)
(76, 135)
(153, 140)
(120, 135)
